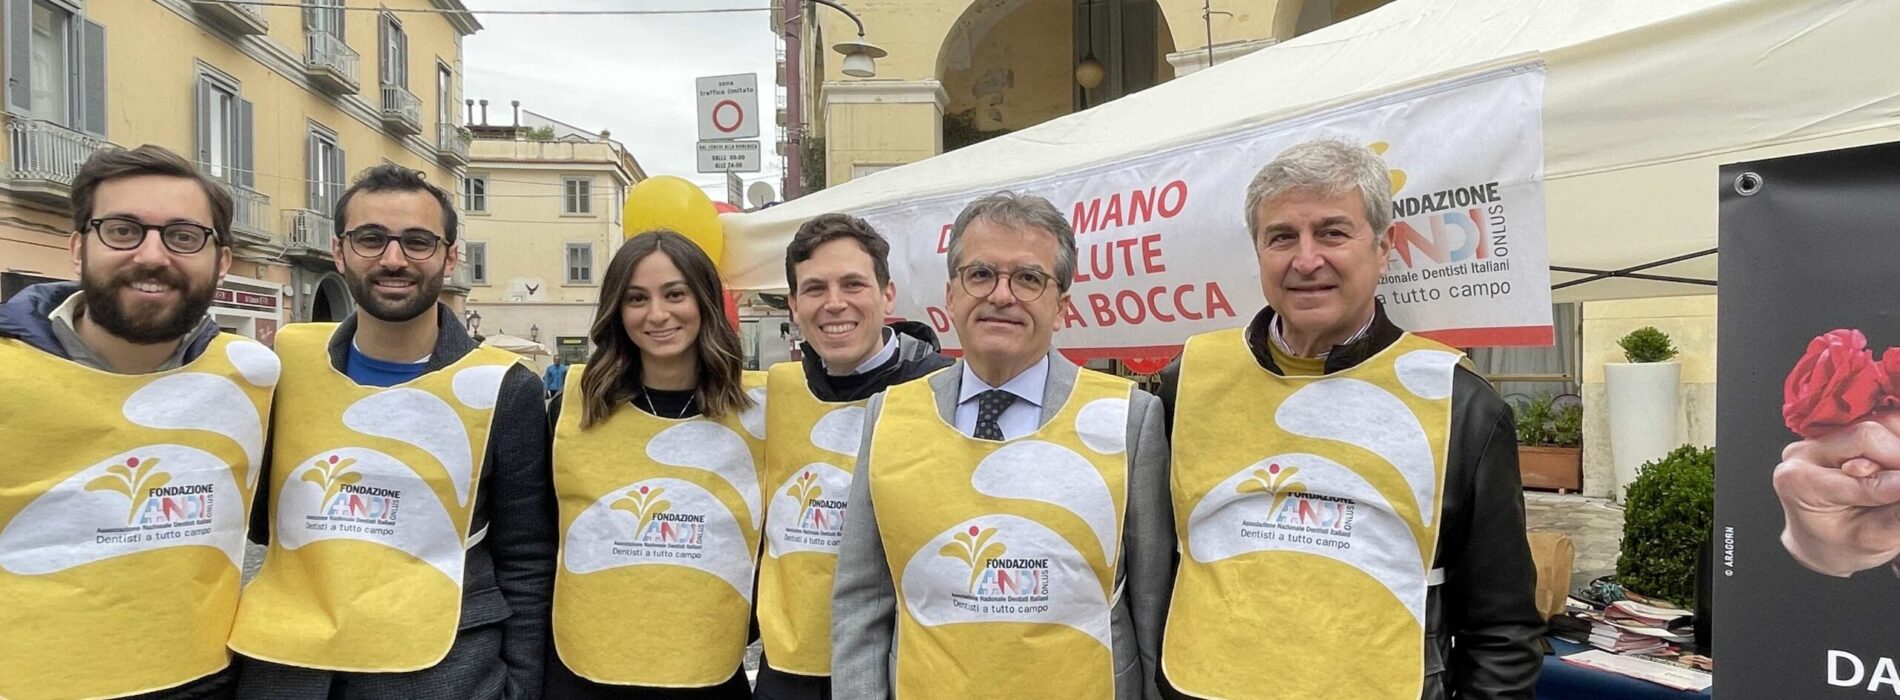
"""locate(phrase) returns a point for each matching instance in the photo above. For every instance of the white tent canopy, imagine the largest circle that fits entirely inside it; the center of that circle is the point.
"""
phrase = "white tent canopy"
(518, 346)
(1643, 99)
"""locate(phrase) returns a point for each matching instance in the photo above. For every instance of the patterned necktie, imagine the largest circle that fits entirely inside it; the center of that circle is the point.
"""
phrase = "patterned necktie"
(989, 407)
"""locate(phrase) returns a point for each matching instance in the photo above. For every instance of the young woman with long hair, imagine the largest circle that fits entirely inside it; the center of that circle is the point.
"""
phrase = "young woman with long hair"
(657, 465)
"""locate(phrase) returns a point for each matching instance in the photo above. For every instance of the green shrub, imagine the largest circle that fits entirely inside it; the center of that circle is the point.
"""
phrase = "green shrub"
(1647, 344)
(545, 133)
(1541, 423)
(1667, 514)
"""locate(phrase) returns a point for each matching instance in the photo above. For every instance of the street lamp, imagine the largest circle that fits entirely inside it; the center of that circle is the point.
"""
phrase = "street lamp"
(534, 333)
(1089, 72)
(860, 61)
(860, 57)
(474, 320)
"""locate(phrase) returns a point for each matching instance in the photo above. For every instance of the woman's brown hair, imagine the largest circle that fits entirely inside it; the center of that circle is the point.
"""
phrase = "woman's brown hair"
(613, 372)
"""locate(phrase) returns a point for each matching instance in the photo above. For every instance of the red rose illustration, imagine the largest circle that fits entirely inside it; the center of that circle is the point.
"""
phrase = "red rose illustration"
(1889, 368)
(1835, 383)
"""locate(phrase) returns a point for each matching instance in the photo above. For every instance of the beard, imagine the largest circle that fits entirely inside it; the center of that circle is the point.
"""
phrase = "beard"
(425, 289)
(144, 323)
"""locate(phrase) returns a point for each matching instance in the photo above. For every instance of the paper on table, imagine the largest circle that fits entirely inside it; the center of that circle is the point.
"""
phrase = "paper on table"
(1640, 669)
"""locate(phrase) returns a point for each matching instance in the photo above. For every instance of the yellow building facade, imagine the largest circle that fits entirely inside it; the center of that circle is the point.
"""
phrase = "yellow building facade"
(960, 71)
(963, 70)
(282, 104)
(544, 203)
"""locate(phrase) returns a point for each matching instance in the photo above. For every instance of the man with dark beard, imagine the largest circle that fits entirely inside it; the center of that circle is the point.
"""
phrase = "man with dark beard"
(411, 508)
(134, 431)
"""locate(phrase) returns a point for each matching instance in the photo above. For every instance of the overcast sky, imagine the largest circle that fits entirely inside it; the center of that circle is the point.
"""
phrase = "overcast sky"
(632, 75)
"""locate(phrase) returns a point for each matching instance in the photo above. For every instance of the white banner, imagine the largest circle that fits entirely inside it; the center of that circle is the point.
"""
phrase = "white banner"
(1163, 250)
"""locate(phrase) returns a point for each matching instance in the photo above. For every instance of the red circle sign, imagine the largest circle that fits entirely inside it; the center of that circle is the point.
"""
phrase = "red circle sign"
(738, 116)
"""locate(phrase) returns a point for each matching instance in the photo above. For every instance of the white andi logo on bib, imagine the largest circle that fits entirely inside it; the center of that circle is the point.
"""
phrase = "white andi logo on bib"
(660, 521)
(664, 521)
(807, 511)
(1007, 568)
(1308, 503)
(359, 493)
(1004, 568)
(155, 496)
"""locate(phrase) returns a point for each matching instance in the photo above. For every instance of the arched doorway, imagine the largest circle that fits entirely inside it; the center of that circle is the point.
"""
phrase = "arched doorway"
(1007, 65)
(331, 302)
(1320, 14)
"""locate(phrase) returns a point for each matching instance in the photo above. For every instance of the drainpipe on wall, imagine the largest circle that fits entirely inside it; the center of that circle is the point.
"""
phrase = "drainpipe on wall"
(793, 30)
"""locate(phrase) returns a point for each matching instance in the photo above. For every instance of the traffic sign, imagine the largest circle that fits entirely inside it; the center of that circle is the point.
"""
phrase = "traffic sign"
(728, 107)
(729, 156)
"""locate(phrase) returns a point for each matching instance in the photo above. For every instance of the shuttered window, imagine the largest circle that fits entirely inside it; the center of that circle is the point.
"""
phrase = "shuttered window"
(56, 65)
(225, 130)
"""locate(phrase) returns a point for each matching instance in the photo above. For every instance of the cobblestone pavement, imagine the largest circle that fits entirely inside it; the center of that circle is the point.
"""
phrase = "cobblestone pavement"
(1595, 527)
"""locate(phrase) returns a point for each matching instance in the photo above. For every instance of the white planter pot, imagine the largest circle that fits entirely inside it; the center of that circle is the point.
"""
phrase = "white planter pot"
(1644, 402)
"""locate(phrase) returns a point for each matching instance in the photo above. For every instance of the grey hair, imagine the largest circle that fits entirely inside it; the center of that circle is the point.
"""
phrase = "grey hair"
(1021, 211)
(1329, 168)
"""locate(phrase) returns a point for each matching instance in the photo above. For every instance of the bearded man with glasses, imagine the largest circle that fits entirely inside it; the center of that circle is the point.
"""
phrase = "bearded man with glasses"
(1016, 504)
(133, 429)
(411, 508)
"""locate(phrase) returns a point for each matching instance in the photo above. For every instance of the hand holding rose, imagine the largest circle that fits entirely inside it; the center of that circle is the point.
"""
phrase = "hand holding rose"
(1841, 495)
(1840, 487)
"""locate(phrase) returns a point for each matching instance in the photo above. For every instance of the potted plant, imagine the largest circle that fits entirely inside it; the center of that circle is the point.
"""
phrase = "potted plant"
(1666, 519)
(1643, 401)
(1549, 443)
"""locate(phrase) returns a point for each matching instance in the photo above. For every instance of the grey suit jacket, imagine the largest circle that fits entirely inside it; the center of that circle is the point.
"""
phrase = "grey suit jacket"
(864, 599)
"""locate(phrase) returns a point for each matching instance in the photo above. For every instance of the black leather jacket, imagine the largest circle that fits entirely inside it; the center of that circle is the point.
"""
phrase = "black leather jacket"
(1482, 624)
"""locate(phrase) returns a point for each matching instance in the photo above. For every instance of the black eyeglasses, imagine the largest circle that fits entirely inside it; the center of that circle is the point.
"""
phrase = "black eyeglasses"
(1026, 284)
(126, 233)
(371, 242)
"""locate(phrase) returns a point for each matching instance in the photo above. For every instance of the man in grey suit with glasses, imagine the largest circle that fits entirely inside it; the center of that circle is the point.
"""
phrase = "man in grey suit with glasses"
(1010, 524)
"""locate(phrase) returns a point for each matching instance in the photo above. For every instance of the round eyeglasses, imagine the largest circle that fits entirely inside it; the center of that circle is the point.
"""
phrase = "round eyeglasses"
(1027, 285)
(371, 242)
(126, 233)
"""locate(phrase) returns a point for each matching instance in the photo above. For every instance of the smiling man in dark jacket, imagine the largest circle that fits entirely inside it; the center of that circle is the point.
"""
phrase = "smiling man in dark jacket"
(1346, 494)
(134, 432)
(838, 268)
(411, 507)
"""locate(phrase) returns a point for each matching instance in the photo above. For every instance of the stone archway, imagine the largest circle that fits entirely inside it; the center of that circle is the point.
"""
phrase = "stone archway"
(1007, 65)
(331, 300)
(1313, 15)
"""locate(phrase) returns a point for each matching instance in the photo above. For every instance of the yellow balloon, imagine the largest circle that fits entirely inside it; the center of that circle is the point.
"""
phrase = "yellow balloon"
(668, 202)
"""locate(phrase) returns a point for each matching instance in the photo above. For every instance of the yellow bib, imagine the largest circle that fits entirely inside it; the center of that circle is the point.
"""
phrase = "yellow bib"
(1307, 509)
(372, 492)
(1004, 553)
(808, 465)
(659, 533)
(123, 507)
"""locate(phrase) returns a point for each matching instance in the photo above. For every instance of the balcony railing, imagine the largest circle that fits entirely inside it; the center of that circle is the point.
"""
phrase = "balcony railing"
(308, 233)
(250, 216)
(330, 62)
(402, 110)
(239, 18)
(451, 144)
(43, 157)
